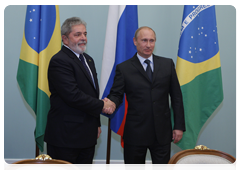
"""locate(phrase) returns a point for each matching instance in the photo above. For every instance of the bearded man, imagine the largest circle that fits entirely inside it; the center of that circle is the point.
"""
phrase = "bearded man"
(73, 123)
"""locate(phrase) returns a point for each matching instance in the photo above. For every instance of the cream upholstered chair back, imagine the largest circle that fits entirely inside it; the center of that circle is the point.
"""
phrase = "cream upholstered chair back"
(201, 155)
(42, 162)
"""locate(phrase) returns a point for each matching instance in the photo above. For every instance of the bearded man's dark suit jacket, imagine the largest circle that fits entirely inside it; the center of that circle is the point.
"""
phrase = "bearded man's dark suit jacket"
(74, 116)
(148, 117)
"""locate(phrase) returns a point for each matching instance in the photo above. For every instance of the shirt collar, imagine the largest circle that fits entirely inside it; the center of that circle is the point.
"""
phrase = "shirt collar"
(141, 59)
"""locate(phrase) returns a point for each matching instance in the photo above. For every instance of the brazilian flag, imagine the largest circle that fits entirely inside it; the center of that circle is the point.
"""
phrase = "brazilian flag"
(199, 69)
(41, 40)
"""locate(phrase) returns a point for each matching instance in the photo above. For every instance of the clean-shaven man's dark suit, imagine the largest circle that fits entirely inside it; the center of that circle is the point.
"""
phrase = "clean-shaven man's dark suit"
(148, 117)
(74, 116)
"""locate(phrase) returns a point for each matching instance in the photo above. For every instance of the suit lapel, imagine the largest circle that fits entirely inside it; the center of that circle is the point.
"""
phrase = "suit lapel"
(76, 59)
(92, 67)
(157, 66)
(136, 63)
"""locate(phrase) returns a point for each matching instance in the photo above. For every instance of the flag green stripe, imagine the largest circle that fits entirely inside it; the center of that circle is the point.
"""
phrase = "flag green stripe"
(201, 97)
(27, 81)
(43, 106)
(37, 99)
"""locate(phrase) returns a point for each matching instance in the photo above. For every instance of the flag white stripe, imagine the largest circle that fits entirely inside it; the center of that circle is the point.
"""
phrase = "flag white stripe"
(114, 14)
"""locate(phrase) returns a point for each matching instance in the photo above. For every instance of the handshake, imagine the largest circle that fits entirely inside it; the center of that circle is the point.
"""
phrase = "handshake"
(109, 106)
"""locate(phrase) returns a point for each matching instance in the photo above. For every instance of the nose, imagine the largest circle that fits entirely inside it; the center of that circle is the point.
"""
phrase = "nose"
(148, 43)
(83, 37)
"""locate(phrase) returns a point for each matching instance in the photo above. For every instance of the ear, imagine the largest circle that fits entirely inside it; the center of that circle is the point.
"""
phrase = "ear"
(134, 41)
(65, 39)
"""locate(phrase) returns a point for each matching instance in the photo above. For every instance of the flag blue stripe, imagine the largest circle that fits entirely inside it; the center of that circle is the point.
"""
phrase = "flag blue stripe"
(200, 36)
(48, 21)
(39, 26)
(127, 26)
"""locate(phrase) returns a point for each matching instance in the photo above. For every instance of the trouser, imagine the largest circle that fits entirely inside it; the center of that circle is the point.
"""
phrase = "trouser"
(160, 154)
(72, 155)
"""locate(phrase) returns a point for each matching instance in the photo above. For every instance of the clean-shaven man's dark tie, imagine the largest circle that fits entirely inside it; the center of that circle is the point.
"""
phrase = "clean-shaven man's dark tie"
(85, 66)
(148, 69)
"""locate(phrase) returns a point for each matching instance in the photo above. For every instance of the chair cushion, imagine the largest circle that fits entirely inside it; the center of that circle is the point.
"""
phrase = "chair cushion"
(203, 159)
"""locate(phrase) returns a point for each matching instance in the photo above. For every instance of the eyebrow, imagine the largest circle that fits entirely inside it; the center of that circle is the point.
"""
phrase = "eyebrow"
(80, 32)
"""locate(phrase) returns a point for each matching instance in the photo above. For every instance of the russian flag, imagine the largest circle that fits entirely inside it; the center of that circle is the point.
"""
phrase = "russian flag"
(121, 26)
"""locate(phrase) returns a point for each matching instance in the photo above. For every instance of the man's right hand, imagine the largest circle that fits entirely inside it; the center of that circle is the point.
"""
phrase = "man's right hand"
(109, 106)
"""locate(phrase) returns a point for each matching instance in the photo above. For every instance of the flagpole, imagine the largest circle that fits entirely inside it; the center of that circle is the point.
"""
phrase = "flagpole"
(108, 142)
(37, 151)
